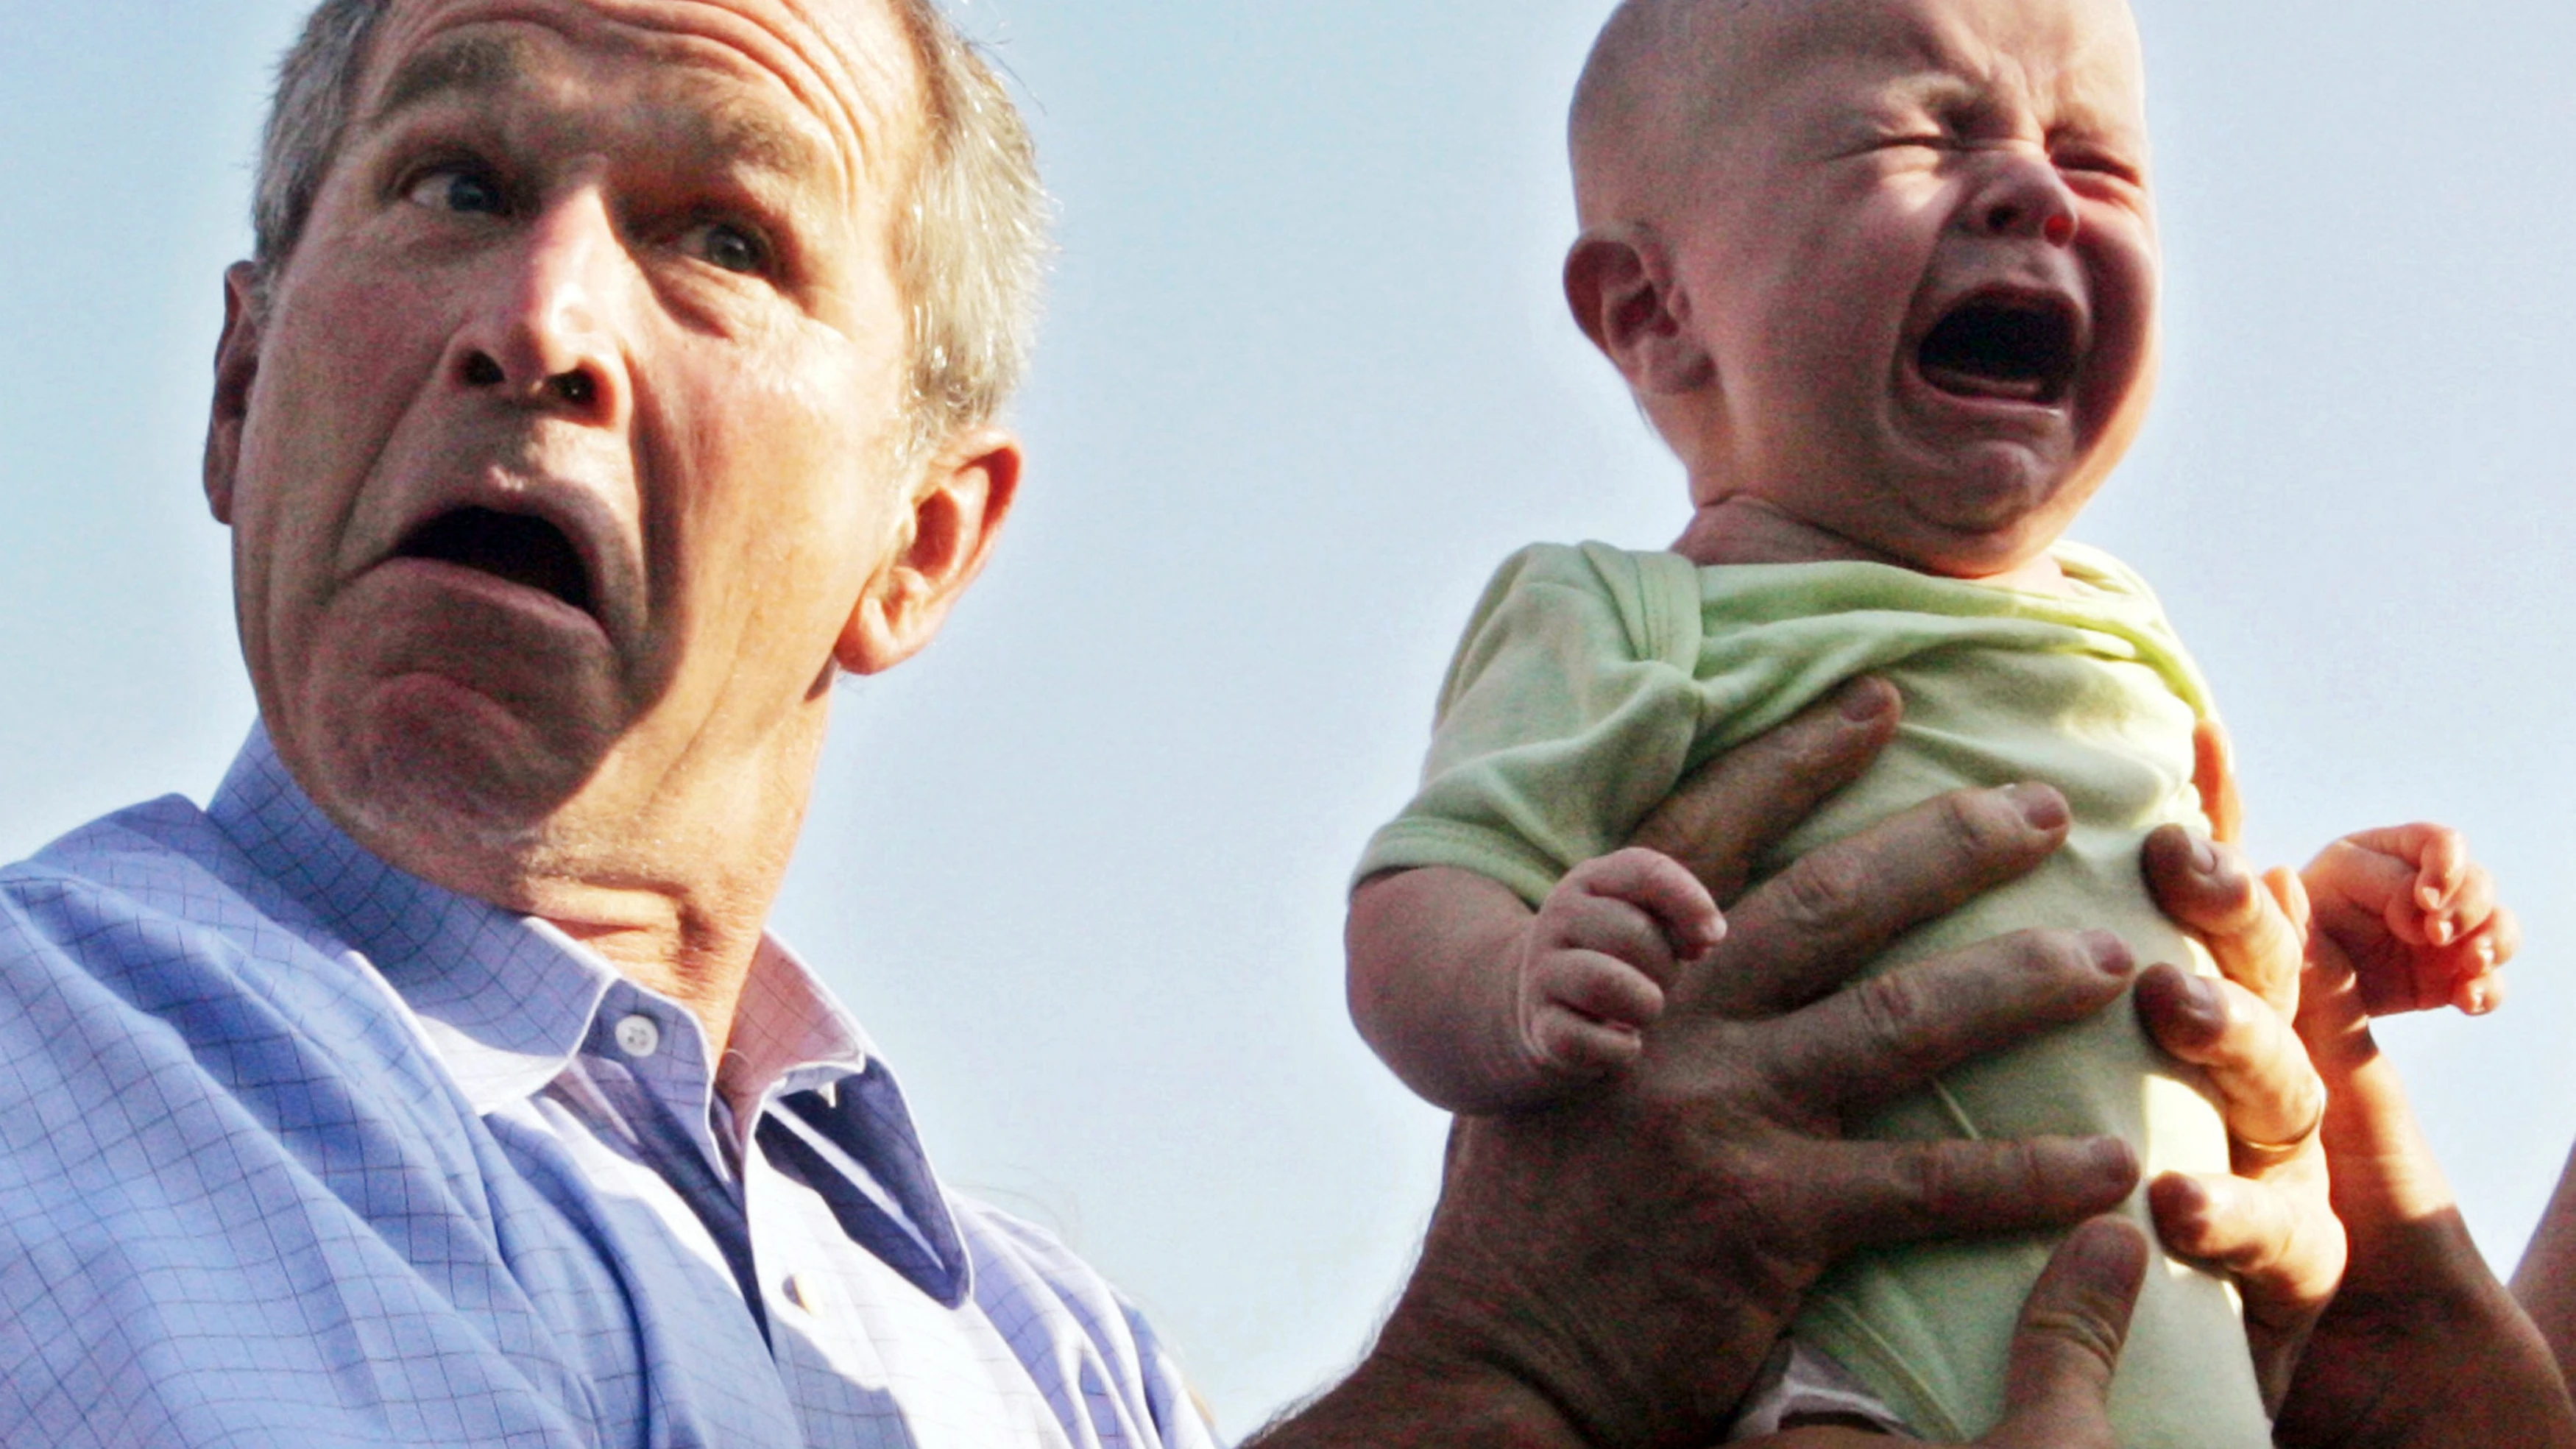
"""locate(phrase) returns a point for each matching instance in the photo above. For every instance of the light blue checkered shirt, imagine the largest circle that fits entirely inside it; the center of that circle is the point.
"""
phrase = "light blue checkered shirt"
(298, 1150)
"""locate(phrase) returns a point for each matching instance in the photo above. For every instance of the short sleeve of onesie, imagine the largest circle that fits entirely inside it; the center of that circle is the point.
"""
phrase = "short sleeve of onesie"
(1567, 715)
(1592, 679)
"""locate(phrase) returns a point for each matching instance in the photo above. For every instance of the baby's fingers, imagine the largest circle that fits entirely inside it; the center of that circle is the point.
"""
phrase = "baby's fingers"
(2471, 904)
(1597, 987)
(1678, 906)
(2361, 892)
(1579, 1045)
(2417, 879)
(2439, 854)
(2476, 984)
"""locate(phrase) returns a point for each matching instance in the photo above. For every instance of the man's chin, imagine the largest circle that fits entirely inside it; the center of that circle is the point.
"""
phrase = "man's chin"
(443, 782)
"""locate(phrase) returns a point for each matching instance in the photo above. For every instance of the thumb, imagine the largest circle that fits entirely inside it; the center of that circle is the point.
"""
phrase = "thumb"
(2059, 1381)
(2213, 772)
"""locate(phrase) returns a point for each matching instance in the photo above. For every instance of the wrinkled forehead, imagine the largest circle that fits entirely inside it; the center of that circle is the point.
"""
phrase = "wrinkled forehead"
(2076, 62)
(828, 86)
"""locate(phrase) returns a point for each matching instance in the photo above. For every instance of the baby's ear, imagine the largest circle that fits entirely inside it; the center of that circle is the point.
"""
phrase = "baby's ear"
(1620, 282)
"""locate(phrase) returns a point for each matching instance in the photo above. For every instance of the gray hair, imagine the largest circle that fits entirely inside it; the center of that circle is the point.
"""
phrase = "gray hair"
(970, 242)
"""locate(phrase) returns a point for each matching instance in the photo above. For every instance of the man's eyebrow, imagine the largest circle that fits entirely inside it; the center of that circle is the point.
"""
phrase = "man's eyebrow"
(468, 66)
(761, 140)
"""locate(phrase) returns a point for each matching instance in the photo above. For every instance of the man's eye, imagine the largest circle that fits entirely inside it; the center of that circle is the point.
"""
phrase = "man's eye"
(460, 191)
(720, 244)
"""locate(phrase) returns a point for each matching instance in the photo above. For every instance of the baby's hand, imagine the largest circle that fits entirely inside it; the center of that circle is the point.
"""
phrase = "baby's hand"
(2417, 917)
(1596, 959)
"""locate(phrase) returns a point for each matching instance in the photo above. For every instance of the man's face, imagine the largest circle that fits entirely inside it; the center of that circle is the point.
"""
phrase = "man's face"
(1918, 247)
(569, 446)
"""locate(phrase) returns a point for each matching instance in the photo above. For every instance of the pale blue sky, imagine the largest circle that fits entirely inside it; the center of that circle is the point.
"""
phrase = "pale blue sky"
(1305, 380)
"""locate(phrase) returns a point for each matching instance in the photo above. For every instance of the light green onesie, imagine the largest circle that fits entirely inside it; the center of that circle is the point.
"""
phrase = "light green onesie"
(1593, 679)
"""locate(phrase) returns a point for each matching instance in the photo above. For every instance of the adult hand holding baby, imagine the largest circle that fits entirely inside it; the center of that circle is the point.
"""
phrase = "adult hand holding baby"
(1616, 1269)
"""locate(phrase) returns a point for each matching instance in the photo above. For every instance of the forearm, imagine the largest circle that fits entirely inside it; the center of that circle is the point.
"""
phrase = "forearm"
(1432, 988)
(2546, 1280)
(1389, 1403)
(2422, 1346)
(2433, 1353)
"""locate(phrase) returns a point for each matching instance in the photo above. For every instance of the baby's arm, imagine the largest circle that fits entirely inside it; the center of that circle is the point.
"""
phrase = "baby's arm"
(1483, 1005)
(2417, 917)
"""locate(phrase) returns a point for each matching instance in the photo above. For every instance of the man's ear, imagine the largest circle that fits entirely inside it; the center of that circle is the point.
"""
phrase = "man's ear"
(1619, 280)
(957, 513)
(236, 367)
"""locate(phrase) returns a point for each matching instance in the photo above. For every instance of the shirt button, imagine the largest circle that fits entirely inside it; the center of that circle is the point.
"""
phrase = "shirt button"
(794, 1289)
(637, 1036)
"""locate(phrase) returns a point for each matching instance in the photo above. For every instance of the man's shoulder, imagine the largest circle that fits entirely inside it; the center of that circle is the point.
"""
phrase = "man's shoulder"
(158, 867)
(1022, 1271)
(1029, 1281)
(154, 912)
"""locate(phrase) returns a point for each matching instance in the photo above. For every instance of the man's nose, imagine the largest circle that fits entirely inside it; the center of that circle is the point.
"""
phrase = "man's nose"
(2022, 194)
(547, 331)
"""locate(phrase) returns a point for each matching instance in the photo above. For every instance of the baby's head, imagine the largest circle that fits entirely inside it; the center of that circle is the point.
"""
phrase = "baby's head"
(1881, 270)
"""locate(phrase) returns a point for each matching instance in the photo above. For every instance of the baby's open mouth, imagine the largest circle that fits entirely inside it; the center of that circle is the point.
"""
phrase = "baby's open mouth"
(2009, 348)
(526, 551)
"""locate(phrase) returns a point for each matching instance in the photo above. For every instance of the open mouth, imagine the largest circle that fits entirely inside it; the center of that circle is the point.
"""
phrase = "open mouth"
(526, 551)
(2012, 349)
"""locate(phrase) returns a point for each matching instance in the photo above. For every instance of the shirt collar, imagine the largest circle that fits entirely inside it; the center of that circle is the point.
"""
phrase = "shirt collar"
(505, 999)
(788, 1034)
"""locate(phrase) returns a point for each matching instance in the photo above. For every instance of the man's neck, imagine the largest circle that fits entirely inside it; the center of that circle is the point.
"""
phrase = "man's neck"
(668, 873)
(701, 964)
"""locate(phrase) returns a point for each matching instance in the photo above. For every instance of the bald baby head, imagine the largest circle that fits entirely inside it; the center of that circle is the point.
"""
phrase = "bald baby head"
(1670, 82)
(1658, 75)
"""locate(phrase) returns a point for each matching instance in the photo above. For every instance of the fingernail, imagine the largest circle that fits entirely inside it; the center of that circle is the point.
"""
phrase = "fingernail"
(2110, 1157)
(2204, 1000)
(1863, 701)
(2204, 856)
(2043, 807)
(2441, 930)
(2183, 1198)
(2110, 953)
(2481, 1000)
